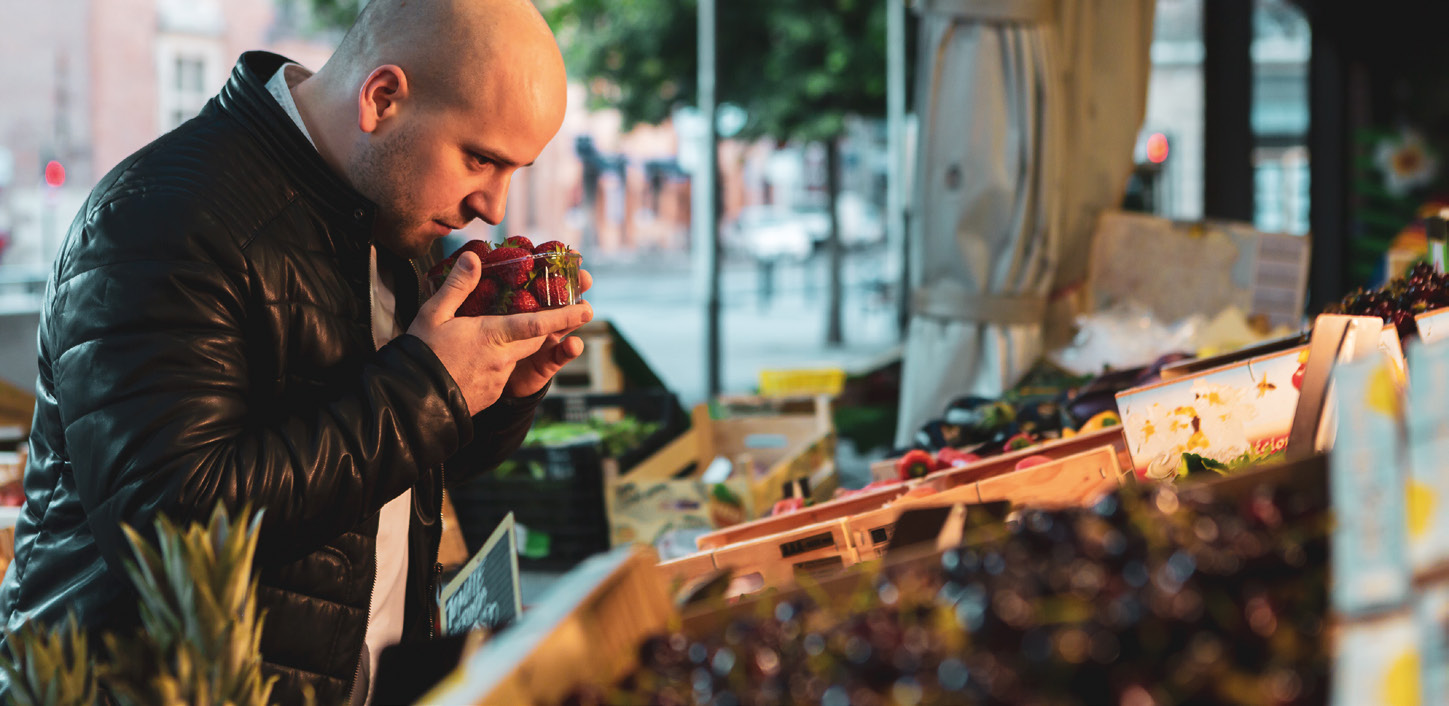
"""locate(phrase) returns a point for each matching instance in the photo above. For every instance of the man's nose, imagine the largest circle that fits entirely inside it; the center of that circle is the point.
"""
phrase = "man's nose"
(490, 201)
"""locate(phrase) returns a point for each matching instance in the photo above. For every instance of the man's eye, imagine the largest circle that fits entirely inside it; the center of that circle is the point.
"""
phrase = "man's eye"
(478, 160)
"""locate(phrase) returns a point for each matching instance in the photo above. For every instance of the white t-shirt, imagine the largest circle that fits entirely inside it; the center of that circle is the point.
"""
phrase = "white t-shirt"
(385, 614)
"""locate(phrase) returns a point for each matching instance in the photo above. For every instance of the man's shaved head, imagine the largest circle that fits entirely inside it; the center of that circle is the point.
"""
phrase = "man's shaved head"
(428, 107)
(445, 46)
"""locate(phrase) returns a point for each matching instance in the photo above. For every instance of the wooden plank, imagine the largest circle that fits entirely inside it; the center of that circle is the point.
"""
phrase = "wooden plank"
(813, 549)
(1073, 481)
(681, 571)
(832, 510)
(1055, 448)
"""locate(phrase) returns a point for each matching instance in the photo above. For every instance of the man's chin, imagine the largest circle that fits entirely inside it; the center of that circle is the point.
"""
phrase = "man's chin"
(410, 246)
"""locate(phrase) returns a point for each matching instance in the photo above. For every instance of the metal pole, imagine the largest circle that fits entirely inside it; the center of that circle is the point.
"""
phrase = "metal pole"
(896, 237)
(706, 222)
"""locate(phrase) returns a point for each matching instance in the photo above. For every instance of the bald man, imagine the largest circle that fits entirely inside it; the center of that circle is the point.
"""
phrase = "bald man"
(236, 316)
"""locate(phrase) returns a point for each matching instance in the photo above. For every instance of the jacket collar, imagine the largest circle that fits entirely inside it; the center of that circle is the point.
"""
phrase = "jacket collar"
(245, 96)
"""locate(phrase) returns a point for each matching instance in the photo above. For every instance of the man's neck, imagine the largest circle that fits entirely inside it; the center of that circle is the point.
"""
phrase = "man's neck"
(314, 105)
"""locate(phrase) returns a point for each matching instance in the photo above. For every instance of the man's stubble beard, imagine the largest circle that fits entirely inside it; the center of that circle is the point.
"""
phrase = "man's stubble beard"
(381, 170)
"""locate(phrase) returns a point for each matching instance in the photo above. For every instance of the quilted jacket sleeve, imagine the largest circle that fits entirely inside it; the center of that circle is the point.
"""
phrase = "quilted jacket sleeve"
(144, 336)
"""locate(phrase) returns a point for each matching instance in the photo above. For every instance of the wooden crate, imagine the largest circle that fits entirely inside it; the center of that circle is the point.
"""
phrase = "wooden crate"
(779, 559)
(587, 632)
(829, 510)
(685, 570)
(595, 371)
(768, 452)
(1005, 463)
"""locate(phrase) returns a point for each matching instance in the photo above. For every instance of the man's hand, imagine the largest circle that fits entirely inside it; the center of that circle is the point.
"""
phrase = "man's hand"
(533, 372)
(481, 352)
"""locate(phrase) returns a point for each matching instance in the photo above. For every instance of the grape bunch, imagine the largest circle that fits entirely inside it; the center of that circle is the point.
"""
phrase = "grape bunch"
(1422, 289)
(1147, 597)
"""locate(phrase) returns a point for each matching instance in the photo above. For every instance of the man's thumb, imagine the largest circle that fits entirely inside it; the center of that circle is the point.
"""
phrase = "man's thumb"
(460, 283)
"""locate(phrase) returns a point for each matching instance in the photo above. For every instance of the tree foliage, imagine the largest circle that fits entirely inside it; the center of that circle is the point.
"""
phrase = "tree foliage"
(798, 67)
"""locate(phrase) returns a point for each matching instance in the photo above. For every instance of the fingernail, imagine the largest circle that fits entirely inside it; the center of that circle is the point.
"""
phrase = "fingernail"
(466, 264)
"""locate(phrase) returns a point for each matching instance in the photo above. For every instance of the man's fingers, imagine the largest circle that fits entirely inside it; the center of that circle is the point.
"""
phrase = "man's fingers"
(459, 284)
(543, 323)
(567, 350)
(586, 280)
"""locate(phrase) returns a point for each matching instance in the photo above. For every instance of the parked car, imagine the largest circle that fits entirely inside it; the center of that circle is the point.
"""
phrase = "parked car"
(770, 233)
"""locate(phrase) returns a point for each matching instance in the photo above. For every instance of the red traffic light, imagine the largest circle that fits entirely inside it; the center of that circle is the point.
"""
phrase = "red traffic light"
(1157, 148)
(54, 174)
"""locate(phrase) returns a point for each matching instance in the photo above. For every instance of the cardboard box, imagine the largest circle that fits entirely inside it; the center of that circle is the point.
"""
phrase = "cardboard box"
(1233, 414)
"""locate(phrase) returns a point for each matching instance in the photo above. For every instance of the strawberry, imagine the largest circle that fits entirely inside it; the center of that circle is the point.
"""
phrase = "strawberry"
(518, 241)
(439, 272)
(482, 300)
(914, 464)
(514, 274)
(551, 290)
(787, 505)
(552, 246)
(955, 458)
(522, 303)
(481, 247)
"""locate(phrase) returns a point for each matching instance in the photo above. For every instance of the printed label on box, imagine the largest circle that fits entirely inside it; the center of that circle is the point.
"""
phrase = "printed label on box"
(1432, 607)
(1433, 325)
(1366, 481)
(1377, 662)
(1234, 415)
(1428, 427)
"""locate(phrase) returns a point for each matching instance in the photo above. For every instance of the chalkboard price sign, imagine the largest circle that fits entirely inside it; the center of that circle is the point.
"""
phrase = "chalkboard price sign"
(485, 592)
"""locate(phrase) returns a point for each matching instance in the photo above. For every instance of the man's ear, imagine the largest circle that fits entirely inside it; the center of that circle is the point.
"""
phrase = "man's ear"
(380, 97)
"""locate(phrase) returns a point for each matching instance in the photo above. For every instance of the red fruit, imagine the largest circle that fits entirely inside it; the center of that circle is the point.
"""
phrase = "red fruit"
(514, 274)
(1298, 376)
(552, 246)
(914, 464)
(1020, 441)
(522, 303)
(954, 458)
(482, 300)
(439, 272)
(787, 505)
(518, 241)
(551, 290)
(482, 247)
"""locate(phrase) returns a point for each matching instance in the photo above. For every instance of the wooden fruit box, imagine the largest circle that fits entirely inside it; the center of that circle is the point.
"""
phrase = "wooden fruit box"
(1075, 480)
(1006, 463)
(661, 494)
(777, 559)
(829, 510)
(586, 631)
(685, 569)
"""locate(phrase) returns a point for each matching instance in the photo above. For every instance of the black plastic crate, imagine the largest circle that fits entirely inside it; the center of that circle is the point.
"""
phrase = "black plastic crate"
(558, 491)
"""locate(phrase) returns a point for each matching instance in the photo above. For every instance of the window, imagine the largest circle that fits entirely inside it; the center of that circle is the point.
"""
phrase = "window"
(189, 71)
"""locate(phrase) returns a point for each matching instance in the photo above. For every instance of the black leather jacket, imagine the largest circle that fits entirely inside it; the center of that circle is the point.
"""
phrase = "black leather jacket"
(206, 336)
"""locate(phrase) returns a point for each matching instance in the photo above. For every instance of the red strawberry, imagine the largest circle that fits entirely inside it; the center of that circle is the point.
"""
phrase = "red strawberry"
(522, 303)
(514, 274)
(914, 464)
(439, 272)
(518, 241)
(552, 246)
(551, 290)
(482, 247)
(955, 458)
(482, 300)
